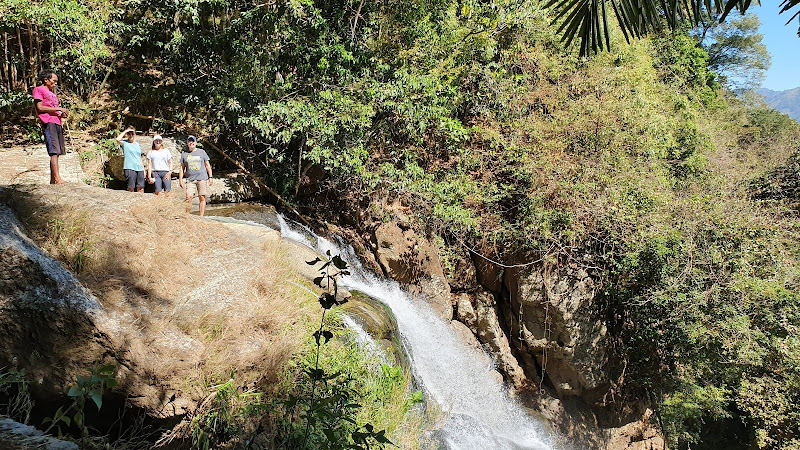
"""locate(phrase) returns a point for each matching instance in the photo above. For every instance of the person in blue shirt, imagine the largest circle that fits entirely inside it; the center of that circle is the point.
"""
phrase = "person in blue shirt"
(134, 170)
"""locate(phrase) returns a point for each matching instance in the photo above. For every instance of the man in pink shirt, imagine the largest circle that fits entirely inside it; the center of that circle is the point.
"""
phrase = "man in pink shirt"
(49, 115)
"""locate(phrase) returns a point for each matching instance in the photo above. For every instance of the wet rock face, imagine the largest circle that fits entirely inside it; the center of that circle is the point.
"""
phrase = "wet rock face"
(534, 320)
(411, 259)
(379, 322)
(551, 318)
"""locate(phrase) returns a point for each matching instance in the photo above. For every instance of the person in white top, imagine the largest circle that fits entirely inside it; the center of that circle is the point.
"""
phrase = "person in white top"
(159, 166)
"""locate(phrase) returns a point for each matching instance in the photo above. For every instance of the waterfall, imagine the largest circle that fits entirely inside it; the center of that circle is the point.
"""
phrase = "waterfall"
(478, 412)
(365, 341)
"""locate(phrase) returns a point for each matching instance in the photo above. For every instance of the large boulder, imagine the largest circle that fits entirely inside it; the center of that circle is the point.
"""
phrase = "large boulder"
(233, 188)
(164, 296)
(46, 315)
(552, 319)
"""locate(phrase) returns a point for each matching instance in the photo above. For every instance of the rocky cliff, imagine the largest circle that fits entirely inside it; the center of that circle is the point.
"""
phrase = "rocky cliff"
(538, 320)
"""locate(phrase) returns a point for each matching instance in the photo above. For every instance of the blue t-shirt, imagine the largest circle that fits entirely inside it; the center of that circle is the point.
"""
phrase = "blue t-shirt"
(133, 156)
(195, 164)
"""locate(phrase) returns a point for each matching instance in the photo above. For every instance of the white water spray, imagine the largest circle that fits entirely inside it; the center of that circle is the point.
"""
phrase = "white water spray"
(479, 413)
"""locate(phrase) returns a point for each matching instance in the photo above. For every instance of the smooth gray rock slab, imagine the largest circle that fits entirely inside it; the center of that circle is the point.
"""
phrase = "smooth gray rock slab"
(16, 436)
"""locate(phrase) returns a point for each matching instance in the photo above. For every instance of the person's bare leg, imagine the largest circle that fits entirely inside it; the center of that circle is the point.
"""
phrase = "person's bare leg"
(140, 189)
(202, 205)
(130, 189)
(188, 204)
(55, 175)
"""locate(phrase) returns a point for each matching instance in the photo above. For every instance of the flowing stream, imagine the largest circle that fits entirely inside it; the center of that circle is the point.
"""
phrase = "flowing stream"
(480, 415)
(477, 411)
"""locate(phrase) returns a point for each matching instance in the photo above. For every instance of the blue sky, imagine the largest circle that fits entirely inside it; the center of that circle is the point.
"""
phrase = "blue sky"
(782, 43)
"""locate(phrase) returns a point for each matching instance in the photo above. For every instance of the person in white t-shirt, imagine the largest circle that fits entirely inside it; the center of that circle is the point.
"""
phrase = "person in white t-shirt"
(159, 166)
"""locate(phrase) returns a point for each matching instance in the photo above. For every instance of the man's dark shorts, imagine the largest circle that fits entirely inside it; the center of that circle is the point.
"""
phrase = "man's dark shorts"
(135, 178)
(54, 139)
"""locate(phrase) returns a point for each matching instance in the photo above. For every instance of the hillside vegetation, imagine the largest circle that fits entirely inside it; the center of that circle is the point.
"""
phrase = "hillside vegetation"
(475, 115)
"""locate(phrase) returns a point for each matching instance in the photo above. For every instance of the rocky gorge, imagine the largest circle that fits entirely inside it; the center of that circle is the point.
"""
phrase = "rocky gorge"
(538, 321)
(583, 242)
(535, 320)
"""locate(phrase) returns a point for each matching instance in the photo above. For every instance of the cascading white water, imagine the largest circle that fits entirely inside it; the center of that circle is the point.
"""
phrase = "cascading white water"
(365, 341)
(479, 413)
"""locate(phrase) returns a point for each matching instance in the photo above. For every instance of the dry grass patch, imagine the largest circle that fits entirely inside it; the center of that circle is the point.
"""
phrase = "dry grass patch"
(195, 299)
(260, 334)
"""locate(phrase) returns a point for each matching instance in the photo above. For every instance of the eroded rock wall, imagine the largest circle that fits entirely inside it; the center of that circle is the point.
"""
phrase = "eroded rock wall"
(539, 322)
(409, 258)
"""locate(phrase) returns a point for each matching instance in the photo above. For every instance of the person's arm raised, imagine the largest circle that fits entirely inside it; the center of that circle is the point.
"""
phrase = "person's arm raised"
(121, 136)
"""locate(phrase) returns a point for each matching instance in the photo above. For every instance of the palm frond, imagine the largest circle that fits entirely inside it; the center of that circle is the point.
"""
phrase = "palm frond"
(786, 6)
(587, 20)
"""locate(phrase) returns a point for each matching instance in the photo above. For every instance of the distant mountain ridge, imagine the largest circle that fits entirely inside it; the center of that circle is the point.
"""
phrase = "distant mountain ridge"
(787, 102)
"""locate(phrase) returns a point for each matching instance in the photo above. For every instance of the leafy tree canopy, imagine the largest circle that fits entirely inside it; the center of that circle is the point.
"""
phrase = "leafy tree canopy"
(735, 50)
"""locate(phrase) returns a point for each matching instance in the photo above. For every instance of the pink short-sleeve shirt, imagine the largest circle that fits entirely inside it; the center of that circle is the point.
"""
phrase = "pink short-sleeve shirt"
(48, 98)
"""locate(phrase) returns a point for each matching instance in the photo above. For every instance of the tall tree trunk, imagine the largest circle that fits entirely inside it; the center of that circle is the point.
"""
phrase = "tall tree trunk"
(99, 90)
(6, 64)
(355, 21)
(48, 44)
(38, 51)
(22, 77)
(31, 55)
(300, 165)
